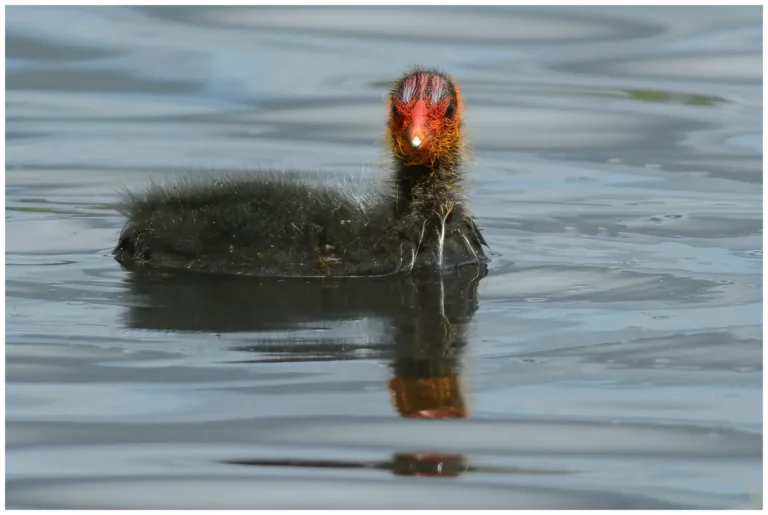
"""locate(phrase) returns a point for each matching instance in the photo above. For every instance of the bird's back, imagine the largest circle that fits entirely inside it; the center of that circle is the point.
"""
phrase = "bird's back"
(266, 224)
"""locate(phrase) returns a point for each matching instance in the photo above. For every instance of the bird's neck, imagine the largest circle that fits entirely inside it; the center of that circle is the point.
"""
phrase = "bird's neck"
(429, 186)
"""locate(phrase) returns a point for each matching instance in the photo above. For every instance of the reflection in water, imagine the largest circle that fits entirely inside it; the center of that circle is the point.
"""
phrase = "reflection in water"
(444, 465)
(426, 317)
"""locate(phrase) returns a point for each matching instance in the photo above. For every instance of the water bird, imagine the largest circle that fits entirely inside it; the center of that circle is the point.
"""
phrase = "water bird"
(282, 224)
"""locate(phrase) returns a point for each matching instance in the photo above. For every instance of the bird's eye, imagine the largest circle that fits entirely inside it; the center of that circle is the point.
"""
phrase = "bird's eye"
(395, 114)
(450, 111)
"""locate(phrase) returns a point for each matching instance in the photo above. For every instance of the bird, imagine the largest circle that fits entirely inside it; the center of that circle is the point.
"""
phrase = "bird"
(286, 225)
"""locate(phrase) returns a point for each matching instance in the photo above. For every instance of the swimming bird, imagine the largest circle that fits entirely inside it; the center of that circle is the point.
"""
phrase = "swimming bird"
(283, 224)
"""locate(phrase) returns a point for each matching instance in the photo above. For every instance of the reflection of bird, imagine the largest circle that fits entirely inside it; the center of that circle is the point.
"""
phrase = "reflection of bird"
(427, 380)
(279, 224)
(425, 318)
(426, 367)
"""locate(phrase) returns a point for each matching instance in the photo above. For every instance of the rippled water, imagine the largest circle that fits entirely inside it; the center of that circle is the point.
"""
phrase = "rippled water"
(611, 358)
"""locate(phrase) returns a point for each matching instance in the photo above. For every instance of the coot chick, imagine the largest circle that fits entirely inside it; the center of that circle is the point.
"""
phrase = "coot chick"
(280, 224)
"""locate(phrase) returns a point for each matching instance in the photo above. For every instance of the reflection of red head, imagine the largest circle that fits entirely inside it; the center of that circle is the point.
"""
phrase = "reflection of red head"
(428, 398)
(429, 465)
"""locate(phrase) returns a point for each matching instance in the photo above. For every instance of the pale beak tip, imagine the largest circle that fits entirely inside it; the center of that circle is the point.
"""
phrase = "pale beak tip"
(416, 142)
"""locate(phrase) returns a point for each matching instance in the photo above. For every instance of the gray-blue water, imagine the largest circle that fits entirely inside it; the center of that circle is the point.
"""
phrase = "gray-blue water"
(611, 358)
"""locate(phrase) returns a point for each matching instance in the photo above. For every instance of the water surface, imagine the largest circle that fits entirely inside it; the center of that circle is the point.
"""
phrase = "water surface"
(611, 358)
